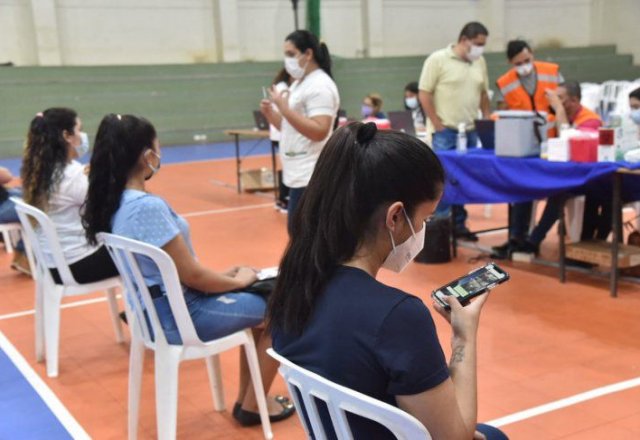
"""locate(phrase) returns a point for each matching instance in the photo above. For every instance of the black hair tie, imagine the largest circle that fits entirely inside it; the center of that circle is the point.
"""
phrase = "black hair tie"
(366, 132)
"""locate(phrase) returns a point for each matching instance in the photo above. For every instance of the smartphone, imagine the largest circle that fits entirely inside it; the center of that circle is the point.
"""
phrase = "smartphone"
(477, 282)
(265, 95)
(267, 273)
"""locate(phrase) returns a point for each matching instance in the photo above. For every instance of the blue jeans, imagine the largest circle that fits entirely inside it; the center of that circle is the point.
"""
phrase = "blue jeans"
(490, 432)
(213, 315)
(520, 220)
(447, 140)
(550, 215)
(8, 213)
(294, 199)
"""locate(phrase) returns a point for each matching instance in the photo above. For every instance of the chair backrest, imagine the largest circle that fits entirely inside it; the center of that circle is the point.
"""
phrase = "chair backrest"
(36, 224)
(127, 254)
(341, 400)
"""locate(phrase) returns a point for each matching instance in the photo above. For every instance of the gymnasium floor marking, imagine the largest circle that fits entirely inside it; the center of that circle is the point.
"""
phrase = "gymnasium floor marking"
(47, 416)
(563, 403)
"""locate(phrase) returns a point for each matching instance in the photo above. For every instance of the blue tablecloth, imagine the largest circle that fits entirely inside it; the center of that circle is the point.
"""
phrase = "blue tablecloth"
(481, 177)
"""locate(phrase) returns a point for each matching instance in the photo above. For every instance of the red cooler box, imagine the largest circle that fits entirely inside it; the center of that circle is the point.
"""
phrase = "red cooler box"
(584, 149)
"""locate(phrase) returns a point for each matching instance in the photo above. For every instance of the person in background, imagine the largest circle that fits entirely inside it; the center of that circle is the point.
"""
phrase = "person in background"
(305, 113)
(565, 103)
(453, 85)
(634, 105)
(412, 103)
(126, 155)
(523, 87)
(56, 183)
(366, 208)
(281, 82)
(372, 107)
(8, 214)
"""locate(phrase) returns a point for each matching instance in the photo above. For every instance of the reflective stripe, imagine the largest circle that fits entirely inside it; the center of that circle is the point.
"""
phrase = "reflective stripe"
(548, 78)
(510, 87)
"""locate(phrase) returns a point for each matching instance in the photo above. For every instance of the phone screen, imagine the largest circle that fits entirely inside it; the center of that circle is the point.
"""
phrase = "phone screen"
(477, 281)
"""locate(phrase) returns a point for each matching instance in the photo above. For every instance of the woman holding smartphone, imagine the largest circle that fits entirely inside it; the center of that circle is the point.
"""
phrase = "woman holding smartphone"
(305, 112)
(365, 208)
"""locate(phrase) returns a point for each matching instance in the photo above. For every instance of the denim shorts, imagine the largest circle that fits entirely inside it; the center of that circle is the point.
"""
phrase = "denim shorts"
(213, 315)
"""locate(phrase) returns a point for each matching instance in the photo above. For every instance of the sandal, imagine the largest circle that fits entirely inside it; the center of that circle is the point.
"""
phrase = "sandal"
(250, 418)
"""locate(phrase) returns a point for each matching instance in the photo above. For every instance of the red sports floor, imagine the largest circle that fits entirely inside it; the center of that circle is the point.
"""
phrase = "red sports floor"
(540, 341)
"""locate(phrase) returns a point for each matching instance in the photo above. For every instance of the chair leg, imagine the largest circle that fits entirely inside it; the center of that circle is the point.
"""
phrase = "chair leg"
(167, 362)
(52, 300)
(256, 379)
(115, 319)
(136, 367)
(8, 245)
(39, 322)
(215, 380)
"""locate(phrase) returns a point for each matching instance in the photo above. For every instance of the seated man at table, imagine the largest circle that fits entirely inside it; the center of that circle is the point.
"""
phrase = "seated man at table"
(565, 103)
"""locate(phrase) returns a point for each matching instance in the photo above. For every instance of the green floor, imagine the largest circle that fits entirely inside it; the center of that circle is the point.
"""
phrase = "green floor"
(184, 100)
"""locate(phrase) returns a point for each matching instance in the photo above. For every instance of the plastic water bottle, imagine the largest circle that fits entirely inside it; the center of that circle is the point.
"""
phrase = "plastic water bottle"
(461, 144)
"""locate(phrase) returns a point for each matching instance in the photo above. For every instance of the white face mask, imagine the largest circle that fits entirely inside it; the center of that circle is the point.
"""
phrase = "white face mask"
(412, 102)
(475, 52)
(635, 116)
(402, 254)
(292, 66)
(524, 69)
(83, 148)
(153, 169)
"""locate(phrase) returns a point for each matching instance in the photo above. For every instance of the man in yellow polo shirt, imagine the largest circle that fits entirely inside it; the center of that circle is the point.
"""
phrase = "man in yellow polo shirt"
(453, 86)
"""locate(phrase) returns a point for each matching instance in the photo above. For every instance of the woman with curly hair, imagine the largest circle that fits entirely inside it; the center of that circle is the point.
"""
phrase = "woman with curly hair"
(56, 183)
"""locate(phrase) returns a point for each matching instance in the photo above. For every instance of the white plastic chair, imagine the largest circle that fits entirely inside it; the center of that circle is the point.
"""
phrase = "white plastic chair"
(49, 295)
(141, 311)
(10, 235)
(341, 400)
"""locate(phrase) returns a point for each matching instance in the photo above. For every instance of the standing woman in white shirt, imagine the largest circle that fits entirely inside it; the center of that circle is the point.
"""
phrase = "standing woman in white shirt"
(306, 112)
(56, 183)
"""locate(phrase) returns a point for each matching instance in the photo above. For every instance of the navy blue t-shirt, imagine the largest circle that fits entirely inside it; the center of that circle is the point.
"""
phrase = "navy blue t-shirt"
(371, 338)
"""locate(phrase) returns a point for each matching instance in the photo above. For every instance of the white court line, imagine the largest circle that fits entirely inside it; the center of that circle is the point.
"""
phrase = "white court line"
(57, 408)
(225, 210)
(63, 306)
(563, 403)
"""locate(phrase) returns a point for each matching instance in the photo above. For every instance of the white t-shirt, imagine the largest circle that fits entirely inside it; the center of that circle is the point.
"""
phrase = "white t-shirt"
(64, 211)
(315, 95)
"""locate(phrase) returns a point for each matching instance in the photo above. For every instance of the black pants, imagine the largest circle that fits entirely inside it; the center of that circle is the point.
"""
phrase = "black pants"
(95, 267)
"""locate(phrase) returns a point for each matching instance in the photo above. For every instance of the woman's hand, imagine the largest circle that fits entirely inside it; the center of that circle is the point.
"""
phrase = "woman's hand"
(279, 99)
(246, 276)
(464, 320)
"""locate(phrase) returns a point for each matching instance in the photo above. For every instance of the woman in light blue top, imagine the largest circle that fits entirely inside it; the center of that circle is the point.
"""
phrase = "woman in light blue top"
(126, 155)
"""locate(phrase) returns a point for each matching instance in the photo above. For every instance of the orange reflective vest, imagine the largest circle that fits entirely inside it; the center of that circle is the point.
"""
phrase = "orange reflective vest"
(517, 98)
(584, 115)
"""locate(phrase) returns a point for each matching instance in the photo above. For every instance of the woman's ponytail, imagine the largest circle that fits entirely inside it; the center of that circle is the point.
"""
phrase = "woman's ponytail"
(119, 142)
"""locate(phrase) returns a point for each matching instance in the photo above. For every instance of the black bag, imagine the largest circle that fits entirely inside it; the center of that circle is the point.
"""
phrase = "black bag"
(261, 287)
(437, 242)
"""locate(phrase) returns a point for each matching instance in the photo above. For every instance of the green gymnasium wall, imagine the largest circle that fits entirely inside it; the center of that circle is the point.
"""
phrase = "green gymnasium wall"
(184, 100)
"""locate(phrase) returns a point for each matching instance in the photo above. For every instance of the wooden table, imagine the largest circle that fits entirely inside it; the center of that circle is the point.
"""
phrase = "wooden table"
(255, 134)
(619, 255)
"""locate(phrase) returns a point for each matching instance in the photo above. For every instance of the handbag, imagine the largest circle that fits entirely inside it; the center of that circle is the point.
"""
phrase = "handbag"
(260, 287)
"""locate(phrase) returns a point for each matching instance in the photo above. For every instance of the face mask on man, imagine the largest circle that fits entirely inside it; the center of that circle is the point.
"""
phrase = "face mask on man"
(475, 52)
(411, 102)
(153, 169)
(83, 148)
(293, 68)
(366, 110)
(635, 115)
(524, 69)
(402, 254)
